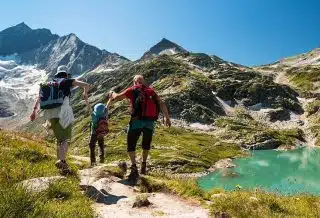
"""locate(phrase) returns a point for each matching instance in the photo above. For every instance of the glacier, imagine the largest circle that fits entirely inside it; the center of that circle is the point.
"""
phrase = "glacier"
(19, 87)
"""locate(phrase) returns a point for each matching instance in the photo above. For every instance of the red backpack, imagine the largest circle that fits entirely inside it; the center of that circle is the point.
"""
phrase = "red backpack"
(145, 104)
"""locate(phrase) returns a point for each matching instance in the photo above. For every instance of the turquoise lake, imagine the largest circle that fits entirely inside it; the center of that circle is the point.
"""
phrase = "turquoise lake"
(284, 172)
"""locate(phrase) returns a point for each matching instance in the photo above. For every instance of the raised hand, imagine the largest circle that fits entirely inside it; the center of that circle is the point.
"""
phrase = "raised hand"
(33, 116)
(167, 122)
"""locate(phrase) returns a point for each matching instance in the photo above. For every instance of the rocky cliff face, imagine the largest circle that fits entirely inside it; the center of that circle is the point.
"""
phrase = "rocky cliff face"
(68, 50)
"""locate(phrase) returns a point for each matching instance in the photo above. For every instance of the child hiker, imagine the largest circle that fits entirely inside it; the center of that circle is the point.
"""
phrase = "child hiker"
(99, 129)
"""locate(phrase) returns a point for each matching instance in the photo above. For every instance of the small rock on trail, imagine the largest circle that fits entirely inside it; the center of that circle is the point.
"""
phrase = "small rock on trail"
(41, 183)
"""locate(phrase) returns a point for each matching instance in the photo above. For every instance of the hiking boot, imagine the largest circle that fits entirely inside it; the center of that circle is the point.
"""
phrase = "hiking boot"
(59, 164)
(62, 165)
(143, 170)
(101, 159)
(134, 174)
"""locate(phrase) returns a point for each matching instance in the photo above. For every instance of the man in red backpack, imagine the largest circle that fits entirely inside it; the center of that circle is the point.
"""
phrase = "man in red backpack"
(145, 106)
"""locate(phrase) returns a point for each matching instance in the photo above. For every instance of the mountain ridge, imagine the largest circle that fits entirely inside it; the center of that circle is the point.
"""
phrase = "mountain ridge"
(21, 38)
(53, 50)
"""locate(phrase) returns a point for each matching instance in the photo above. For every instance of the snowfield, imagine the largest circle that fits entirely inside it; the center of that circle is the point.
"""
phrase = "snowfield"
(19, 86)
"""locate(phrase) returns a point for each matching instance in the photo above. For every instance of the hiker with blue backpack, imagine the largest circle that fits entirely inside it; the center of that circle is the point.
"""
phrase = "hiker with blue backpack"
(54, 100)
(99, 129)
(145, 107)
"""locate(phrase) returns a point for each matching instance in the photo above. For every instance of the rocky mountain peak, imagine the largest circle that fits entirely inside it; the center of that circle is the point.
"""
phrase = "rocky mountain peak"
(22, 38)
(21, 27)
(165, 46)
(73, 36)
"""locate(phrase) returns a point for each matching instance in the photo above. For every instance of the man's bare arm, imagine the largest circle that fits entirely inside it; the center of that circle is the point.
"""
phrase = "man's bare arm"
(164, 110)
(85, 87)
(35, 109)
(117, 96)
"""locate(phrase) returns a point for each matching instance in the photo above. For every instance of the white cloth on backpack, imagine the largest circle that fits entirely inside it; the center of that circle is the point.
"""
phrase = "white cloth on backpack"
(66, 116)
(49, 114)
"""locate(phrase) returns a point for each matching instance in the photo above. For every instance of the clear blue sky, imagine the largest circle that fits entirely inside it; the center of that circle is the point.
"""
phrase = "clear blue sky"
(248, 32)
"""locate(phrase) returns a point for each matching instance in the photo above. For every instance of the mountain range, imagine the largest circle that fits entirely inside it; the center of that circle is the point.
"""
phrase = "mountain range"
(46, 50)
(198, 88)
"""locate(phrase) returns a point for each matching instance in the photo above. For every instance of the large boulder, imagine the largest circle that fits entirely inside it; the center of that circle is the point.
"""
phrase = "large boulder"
(278, 114)
(222, 164)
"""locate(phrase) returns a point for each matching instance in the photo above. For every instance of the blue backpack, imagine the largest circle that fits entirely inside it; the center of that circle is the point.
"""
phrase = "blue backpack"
(51, 94)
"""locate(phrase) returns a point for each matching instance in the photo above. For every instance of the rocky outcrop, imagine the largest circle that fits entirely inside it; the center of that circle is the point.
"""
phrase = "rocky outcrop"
(203, 60)
(265, 145)
(251, 88)
(222, 164)
(278, 114)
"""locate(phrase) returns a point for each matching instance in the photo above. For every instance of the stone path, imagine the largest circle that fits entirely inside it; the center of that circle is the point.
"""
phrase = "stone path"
(114, 197)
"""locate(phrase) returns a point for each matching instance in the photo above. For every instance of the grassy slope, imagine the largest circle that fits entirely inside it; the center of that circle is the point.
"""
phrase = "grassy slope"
(174, 148)
(305, 78)
(23, 157)
(237, 203)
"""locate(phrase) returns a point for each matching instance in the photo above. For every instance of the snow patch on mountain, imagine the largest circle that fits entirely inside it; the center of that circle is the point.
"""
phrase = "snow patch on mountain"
(170, 51)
